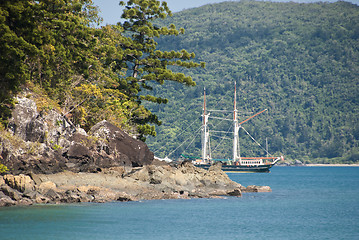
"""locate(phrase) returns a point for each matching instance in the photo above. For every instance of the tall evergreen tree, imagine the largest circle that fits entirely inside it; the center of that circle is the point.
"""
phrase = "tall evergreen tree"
(144, 63)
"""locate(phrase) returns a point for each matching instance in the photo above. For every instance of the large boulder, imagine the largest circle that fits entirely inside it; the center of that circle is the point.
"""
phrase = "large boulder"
(22, 183)
(24, 112)
(48, 127)
(35, 139)
(126, 150)
(47, 142)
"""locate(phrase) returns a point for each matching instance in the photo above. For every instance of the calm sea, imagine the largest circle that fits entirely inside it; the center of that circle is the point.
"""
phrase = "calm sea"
(306, 203)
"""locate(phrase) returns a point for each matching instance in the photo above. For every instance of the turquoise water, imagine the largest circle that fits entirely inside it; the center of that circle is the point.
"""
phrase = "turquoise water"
(306, 203)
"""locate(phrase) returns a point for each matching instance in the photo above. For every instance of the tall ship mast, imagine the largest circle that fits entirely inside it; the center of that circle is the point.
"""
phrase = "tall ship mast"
(205, 132)
(235, 126)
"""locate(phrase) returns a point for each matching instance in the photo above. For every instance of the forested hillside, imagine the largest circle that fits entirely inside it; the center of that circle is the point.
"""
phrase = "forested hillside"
(300, 61)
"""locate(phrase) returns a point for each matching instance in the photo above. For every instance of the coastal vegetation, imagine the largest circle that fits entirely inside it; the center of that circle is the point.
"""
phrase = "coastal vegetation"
(299, 61)
(55, 49)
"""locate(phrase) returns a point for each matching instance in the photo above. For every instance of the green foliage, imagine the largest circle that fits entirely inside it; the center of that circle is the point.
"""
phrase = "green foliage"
(13, 52)
(144, 63)
(56, 147)
(300, 61)
(47, 43)
(91, 74)
(3, 168)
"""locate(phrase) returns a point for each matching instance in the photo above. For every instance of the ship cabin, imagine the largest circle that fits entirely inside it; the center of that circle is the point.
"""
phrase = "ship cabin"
(251, 162)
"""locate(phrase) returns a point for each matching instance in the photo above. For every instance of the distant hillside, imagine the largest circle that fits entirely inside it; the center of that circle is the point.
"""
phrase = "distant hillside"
(301, 61)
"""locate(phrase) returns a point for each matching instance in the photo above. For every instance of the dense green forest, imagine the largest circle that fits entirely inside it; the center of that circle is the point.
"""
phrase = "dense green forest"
(56, 50)
(299, 61)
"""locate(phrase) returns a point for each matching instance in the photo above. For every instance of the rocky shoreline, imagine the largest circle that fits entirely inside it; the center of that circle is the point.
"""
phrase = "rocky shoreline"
(120, 184)
(52, 161)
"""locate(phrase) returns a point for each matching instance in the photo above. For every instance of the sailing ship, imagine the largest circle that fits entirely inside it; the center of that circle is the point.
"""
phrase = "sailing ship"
(237, 163)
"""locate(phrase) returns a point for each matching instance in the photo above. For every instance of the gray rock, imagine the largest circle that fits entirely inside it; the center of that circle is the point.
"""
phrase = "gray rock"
(48, 142)
(6, 201)
(236, 192)
(125, 150)
(22, 183)
(254, 188)
(36, 130)
(32, 195)
(12, 193)
(25, 202)
(53, 195)
(24, 112)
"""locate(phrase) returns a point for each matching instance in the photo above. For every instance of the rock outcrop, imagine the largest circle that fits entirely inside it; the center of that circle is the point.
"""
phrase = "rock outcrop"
(47, 142)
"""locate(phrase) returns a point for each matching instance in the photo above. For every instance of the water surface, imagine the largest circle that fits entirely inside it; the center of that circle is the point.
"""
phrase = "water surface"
(306, 203)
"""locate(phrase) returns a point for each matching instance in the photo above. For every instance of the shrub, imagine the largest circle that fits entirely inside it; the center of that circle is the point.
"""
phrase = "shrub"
(3, 168)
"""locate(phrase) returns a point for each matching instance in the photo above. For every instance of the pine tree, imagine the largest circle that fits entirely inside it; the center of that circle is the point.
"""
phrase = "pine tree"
(144, 63)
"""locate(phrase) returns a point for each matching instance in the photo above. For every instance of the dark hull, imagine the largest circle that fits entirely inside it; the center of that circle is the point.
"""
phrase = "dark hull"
(239, 168)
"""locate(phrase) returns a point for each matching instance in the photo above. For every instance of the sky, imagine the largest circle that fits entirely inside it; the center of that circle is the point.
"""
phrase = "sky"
(111, 11)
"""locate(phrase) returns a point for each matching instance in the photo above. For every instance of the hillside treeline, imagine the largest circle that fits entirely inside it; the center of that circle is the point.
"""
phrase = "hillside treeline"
(299, 61)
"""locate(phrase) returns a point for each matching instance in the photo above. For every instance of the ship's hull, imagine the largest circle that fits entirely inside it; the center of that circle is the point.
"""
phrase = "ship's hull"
(240, 168)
